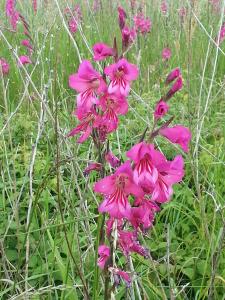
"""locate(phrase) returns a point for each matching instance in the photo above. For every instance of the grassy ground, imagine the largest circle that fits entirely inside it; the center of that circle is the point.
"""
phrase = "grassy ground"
(48, 211)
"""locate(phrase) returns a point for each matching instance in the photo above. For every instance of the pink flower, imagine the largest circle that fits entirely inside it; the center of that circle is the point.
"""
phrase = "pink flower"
(221, 35)
(4, 66)
(12, 13)
(174, 74)
(104, 253)
(92, 167)
(164, 7)
(121, 75)
(121, 17)
(102, 51)
(182, 12)
(112, 106)
(169, 173)
(35, 6)
(112, 160)
(128, 36)
(128, 243)
(145, 173)
(175, 88)
(72, 25)
(24, 60)
(87, 82)
(118, 274)
(166, 53)
(143, 216)
(161, 109)
(85, 127)
(116, 189)
(142, 24)
(178, 134)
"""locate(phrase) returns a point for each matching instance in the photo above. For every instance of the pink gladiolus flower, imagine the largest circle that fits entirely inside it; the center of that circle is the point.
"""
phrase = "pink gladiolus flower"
(142, 24)
(128, 36)
(102, 51)
(116, 189)
(24, 60)
(118, 274)
(92, 167)
(145, 173)
(174, 74)
(4, 66)
(166, 53)
(112, 106)
(121, 17)
(26, 43)
(164, 7)
(169, 173)
(85, 127)
(87, 82)
(161, 109)
(72, 25)
(104, 253)
(112, 160)
(128, 243)
(121, 75)
(175, 88)
(178, 134)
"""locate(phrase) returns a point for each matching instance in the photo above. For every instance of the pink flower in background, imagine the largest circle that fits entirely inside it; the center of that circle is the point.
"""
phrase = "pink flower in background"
(119, 274)
(102, 51)
(175, 88)
(128, 243)
(104, 253)
(182, 11)
(92, 167)
(85, 127)
(72, 25)
(169, 173)
(128, 36)
(12, 13)
(174, 74)
(121, 17)
(161, 109)
(142, 24)
(4, 66)
(164, 7)
(112, 106)
(121, 74)
(178, 134)
(116, 188)
(26, 43)
(166, 53)
(221, 35)
(35, 6)
(96, 5)
(87, 82)
(145, 173)
(112, 160)
(24, 60)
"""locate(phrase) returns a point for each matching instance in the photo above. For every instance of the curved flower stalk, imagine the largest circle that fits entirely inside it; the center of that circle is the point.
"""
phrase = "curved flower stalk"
(133, 191)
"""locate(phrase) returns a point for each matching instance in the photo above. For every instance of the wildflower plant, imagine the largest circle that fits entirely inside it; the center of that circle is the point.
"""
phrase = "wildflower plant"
(130, 192)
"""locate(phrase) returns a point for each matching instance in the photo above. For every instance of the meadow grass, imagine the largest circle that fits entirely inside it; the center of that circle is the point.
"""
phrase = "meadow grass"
(48, 211)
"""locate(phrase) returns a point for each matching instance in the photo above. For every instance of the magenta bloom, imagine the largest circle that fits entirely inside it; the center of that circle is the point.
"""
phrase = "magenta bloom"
(169, 173)
(104, 253)
(102, 51)
(121, 17)
(72, 25)
(87, 82)
(112, 160)
(85, 127)
(166, 53)
(142, 24)
(112, 106)
(92, 167)
(24, 60)
(116, 189)
(175, 88)
(121, 75)
(161, 109)
(128, 36)
(178, 135)
(145, 173)
(174, 74)
(4, 66)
